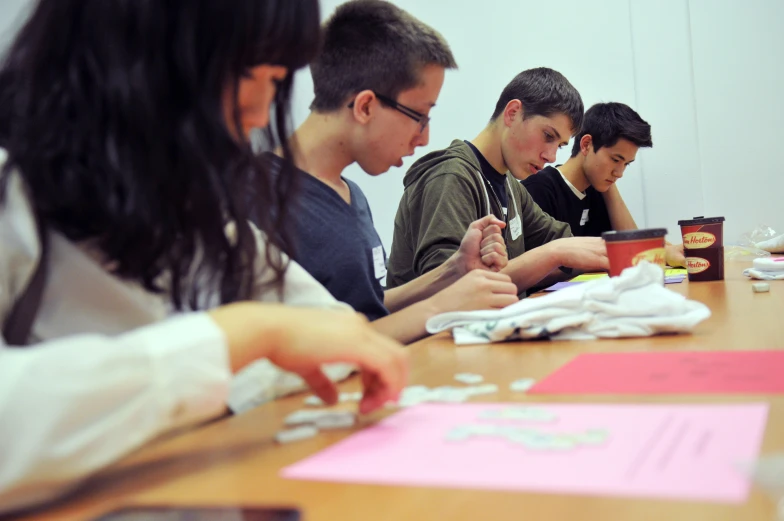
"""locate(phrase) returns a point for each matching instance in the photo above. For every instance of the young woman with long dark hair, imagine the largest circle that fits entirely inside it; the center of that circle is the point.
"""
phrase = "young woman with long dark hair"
(125, 174)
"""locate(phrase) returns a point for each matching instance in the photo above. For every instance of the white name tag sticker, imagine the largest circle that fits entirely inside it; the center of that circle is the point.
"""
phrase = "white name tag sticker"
(584, 218)
(516, 227)
(379, 266)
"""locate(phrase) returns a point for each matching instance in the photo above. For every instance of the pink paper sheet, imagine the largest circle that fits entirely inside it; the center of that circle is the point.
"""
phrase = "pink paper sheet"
(664, 451)
(708, 372)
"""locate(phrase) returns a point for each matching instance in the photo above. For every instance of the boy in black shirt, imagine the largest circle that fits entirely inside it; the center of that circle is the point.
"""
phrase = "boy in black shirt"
(582, 191)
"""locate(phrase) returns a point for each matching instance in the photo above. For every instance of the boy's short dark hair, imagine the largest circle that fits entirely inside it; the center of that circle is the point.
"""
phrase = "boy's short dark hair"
(373, 44)
(543, 92)
(606, 123)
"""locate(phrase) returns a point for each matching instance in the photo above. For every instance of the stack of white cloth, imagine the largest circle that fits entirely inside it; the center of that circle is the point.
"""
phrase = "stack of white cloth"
(634, 304)
(766, 268)
(774, 245)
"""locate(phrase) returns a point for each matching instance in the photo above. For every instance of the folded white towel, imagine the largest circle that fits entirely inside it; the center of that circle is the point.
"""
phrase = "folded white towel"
(763, 275)
(634, 304)
(774, 245)
(766, 269)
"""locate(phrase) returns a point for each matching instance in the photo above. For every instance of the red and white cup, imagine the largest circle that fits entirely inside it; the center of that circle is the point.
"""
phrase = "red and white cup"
(628, 248)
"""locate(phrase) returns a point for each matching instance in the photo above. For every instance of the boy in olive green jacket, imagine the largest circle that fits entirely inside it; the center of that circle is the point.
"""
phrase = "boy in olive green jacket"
(448, 189)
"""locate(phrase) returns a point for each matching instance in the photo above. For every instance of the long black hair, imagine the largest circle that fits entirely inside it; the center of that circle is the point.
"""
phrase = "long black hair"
(113, 113)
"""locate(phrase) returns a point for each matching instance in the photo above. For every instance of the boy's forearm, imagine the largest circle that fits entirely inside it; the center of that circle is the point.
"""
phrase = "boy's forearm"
(421, 288)
(620, 216)
(407, 325)
(530, 268)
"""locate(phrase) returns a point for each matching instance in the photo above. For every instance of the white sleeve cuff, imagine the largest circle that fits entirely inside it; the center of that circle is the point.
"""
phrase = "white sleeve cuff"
(192, 366)
(74, 405)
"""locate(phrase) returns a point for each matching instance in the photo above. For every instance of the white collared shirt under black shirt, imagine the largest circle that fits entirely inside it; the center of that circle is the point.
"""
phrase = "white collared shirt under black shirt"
(586, 215)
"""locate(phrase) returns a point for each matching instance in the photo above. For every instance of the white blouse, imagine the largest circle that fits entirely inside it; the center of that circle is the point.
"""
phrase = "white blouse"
(113, 365)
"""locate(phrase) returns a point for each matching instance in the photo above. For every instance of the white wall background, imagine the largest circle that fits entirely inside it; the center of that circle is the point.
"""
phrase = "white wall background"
(12, 14)
(707, 74)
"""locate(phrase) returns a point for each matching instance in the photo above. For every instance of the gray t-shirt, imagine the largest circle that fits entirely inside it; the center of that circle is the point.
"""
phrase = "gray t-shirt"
(337, 243)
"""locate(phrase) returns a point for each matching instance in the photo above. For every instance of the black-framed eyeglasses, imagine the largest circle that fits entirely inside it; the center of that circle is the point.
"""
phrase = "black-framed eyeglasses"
(422, 119)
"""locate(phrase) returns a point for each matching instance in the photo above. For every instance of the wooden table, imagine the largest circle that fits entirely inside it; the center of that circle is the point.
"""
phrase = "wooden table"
(235, 461)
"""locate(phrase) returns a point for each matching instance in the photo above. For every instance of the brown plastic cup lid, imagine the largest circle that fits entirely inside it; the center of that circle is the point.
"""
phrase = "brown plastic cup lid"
(634, 235)
(701, 220)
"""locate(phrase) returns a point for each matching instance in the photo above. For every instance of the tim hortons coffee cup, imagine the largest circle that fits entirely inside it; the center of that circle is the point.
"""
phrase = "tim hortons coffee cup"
(700, 233)
(627, 248)
(703, 246)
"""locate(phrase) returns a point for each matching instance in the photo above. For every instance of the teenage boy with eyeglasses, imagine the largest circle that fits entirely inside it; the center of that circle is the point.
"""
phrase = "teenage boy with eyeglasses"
(376, 79)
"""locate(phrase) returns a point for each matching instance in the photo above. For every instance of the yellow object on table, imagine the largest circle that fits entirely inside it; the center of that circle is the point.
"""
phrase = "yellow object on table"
(585, 277)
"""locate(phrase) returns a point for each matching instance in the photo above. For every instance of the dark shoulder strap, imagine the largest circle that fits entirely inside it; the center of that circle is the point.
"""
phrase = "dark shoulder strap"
(19, 322)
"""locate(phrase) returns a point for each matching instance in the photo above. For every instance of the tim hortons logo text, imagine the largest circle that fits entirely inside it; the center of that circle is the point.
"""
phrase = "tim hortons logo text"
(696, 265)
(699, 240)
(654, 256)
